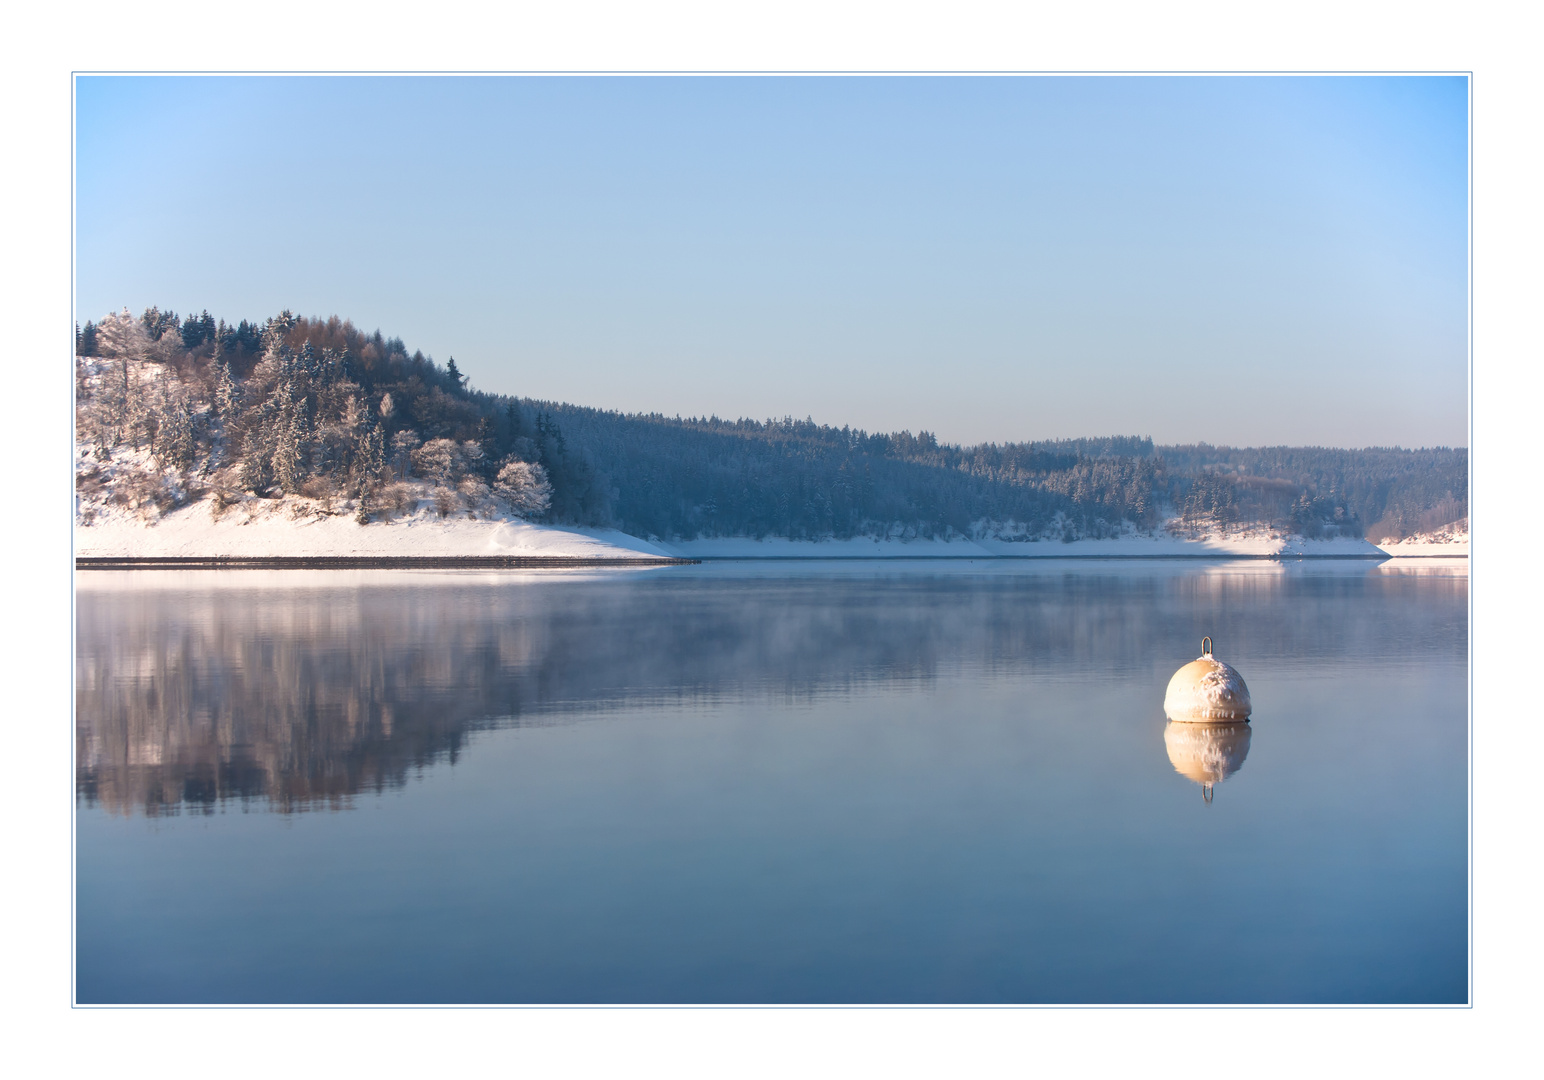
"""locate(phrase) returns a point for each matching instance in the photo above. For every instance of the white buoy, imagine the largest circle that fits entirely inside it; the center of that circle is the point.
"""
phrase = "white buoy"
(1206, 690)
(1207, 753)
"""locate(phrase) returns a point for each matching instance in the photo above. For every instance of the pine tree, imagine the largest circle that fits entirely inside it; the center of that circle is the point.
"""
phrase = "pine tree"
(139, 417)
(488, 446)
(329, 368)
(227, 395)
(286, 456)
(279, 326)
(289, 436)
(369, 452)
(176, 444)
(257, 448)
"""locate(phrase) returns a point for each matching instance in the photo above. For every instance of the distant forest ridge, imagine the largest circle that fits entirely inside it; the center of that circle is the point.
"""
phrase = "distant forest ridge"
(316, 408)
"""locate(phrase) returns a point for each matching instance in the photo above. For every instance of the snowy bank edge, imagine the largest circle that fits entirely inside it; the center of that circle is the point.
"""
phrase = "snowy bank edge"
(194, 535)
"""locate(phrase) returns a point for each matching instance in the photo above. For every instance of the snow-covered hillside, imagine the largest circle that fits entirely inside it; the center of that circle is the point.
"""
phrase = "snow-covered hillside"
(180, 461)
(127, 506)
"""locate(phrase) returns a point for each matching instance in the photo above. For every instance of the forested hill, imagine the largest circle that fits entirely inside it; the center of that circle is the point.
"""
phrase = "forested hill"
(316, 409)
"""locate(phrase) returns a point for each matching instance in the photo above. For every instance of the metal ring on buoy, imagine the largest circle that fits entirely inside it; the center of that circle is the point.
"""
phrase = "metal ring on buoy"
(1206, 646)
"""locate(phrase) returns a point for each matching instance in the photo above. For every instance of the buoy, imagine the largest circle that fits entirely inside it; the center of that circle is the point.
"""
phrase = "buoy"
(1205, 690)
(1207, 753)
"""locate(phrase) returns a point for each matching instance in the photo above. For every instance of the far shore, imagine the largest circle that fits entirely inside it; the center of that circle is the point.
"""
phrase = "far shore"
(192, 539)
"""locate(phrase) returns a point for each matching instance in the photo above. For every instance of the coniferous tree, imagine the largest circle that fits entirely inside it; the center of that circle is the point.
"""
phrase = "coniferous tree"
(227, 395)
(176, 445)
(86, 340)
(288, 439)
(369, 456)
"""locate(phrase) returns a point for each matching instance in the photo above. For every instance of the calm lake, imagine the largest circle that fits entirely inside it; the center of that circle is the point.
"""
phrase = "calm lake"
(788, 782)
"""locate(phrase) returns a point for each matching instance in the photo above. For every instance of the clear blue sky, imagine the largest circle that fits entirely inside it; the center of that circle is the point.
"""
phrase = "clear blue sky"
(1236, 260)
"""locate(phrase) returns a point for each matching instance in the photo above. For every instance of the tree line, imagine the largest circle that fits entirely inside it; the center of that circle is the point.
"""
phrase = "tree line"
(318, 408)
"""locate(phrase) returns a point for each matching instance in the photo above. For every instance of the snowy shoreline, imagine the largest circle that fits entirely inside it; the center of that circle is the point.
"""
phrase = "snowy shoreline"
(193, 532)
(1124, 548)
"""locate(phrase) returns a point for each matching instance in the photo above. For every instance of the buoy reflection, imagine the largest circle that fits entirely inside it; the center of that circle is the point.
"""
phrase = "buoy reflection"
(1207, 753)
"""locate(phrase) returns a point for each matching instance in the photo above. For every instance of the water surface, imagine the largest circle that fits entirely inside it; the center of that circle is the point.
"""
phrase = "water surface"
(768, 783)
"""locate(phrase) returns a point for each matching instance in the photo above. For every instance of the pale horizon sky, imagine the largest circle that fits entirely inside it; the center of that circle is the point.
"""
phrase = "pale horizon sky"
(1242, 260)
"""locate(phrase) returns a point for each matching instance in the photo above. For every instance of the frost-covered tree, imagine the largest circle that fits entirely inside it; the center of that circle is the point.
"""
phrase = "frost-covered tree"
(439, 461)
(168, 348)
(472, 456)
(122, 335)
(141, 418)
(267, 435)
(227, 395)
(329, 368)
(369, 456)
(175, 446)
(104, 415)
(278, 328)
(289, 438)
(403, 444)
(524, 486)
(256, 472)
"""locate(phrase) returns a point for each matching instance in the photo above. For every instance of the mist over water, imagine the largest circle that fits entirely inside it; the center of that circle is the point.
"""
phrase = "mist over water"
(769, 783)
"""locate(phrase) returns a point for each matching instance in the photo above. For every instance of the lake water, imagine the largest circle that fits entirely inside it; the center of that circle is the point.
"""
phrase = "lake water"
(769, 783)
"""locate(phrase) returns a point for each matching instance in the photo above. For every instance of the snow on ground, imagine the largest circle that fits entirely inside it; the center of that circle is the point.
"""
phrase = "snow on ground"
(1451, 540)
(1166, 545)
(861, 547)
(293, 528)
(1426, 551)
(959, 548)
(194, 531)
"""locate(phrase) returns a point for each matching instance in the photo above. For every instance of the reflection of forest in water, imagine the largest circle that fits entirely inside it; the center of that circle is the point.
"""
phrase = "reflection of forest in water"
(191, 694)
